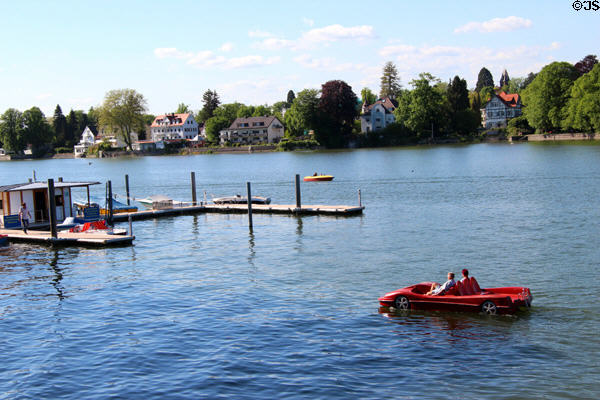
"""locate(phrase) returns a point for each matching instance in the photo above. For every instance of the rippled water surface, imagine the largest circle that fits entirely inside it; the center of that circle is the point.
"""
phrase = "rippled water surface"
(199, 307)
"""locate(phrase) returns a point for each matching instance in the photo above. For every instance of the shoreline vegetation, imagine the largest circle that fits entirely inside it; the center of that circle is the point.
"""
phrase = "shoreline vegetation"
(558, 138)
(558, 103)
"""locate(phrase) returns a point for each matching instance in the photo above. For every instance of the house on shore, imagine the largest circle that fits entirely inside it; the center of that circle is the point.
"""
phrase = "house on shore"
(252, 130)
(35, 195)
(378, 115)
(88, 138)
(174, 126)
(500, 109)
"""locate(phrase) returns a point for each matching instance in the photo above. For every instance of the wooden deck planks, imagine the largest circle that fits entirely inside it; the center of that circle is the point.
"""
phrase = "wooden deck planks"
(70, 238)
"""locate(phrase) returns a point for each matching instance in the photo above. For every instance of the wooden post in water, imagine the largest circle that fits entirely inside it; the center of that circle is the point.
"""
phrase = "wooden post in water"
(130, 225)
(52, 206)
(193, 177)
(249, 205)
(109, 203)
(359, 199)
(298, 196)
(127, 188)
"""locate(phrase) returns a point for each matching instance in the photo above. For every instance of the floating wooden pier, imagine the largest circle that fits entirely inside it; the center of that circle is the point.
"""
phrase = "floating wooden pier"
(68, 238)
(242, 209)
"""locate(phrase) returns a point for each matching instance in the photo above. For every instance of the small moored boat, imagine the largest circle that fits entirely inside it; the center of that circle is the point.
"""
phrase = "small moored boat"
(318, 178)
(237, 199)
(159, 202)
(3, 240)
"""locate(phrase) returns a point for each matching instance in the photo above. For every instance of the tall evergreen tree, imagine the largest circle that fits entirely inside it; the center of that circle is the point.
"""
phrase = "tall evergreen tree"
(211, 101)
(390, 82)
(458, 95)
(59, 124)
(290, 98)
(72, 127)
(504, 79)
(484, 79)
(37, 131)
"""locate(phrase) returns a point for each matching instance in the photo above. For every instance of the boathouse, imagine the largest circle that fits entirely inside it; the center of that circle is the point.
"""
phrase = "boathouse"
(35, 195)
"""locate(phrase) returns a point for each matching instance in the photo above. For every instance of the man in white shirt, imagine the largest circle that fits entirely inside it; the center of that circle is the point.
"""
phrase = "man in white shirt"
(24, 216)
(437, 290)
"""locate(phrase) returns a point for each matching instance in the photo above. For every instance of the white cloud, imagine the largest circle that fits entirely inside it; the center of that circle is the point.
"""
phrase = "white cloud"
(447, 61)
(496, 25)
(274, 44)
(308, 21)
(207, 58)
(226, 47)
(259, 34)
(337, 32)
(170, 52)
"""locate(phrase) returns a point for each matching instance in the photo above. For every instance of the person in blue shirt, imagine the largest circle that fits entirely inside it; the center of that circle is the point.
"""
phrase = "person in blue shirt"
(437, 289)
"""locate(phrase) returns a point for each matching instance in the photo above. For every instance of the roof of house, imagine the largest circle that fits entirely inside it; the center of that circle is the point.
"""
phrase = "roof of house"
(251, 121)
(43, 185)
(171, 119)
(511, 100)
(386, 102)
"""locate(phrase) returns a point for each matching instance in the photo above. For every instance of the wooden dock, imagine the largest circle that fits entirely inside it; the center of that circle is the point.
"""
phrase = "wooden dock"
(242, 209)
(67, 238)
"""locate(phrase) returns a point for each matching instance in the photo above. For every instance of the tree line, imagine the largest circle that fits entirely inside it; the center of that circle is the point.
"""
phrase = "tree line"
(560, 97)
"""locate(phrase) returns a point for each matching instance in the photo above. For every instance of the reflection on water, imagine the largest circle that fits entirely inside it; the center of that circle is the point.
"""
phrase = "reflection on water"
(56, 281)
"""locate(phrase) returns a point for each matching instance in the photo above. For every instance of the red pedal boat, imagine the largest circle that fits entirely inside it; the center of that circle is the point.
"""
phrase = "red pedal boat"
(503, 300)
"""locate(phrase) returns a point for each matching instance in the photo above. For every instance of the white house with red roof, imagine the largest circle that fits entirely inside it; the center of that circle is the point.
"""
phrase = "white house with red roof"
(501, 108)
(378, 115)
(252, 130)
(174, 126)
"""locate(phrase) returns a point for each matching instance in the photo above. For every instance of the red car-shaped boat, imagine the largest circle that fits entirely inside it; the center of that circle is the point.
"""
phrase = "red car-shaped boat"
(504, 300)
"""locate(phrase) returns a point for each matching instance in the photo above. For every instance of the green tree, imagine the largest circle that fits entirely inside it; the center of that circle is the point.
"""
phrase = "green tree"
(583, 108)
(302, 115)
(586, 64)
(515, 85)
(12, 130)
(337, 111)
(278, 107)
(462, 119)
(59, 124)
(519, 126)
(93, 117)
(424, 108)
(546, 97)
(122, 111)
(211, 101)
(245, 111)
(71, 131)
(367, 96)
(261, 111)
(213, 126)
(530, 77)
(183, 108)
(390, 82)
(484, 79)
(290, 98)
(36, 130)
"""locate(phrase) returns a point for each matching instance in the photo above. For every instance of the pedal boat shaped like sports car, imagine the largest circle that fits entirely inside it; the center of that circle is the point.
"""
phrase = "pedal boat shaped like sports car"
(503, 300)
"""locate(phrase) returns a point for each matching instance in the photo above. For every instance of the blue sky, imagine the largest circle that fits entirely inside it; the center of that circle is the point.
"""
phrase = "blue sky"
(72, 52)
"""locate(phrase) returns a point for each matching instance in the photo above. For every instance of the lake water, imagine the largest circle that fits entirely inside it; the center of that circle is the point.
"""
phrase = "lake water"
(199, 307)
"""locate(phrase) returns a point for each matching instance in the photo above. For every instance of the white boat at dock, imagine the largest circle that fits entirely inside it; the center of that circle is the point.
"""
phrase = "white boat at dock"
(237, 199)
(159, 202)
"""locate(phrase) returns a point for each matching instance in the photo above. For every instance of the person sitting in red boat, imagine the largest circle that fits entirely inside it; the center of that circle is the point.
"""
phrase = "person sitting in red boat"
(438, 290)
(469, 284)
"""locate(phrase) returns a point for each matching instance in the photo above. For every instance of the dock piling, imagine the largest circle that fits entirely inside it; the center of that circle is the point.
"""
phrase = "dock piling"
(298, 195)
(359, 199)
(127, 188)
(249, 205)
(109, 203)
(52, 206)
(193, 177)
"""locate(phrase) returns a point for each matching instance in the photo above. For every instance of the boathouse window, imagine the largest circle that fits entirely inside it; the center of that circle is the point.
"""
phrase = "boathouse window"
(1, 205)
(58, 199)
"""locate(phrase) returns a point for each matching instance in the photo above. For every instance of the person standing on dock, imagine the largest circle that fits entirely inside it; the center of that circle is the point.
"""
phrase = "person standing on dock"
(24, 216)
